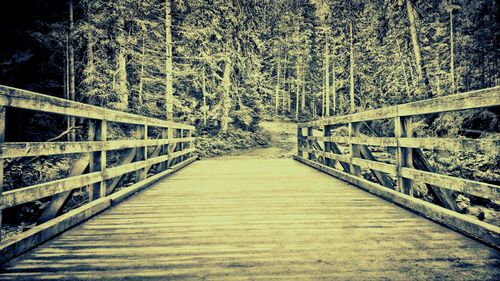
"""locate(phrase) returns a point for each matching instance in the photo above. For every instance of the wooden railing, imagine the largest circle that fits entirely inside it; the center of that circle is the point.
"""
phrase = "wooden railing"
(172, 150)
(395, 182)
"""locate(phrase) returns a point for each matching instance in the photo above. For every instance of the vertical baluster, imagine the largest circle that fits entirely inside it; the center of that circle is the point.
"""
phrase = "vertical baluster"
(327, 132)
(300, 139)
(97, 132)
(310, 142)
(403, 129)
(171, 146)
(354, 148)
(142, 153)
(164, 148)
(2, 139)
(189, 143)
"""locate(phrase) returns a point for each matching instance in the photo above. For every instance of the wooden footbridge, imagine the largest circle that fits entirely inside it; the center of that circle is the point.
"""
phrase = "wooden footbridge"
(252, 219)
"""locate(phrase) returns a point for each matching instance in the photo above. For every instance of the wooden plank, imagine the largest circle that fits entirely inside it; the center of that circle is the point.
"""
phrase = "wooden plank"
(142, 153)
(34, 192)
(59, 200)
(300, 140)
(376, 166)
(164, 148)
(482, 231)
(97, 162)
(2, 138)
(443, 196)
(310, 144)
(29, 149)
(404, 156)
(484, 98)
(455, 144)
(331, 155)
(381, 178)
(471, 100)
(483, 190)
(354, 151)
(13, 97)
(27, 240)
(127, 159)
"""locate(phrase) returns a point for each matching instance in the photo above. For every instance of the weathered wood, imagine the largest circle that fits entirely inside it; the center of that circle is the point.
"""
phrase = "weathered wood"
(13, 97)
(59, 200)
(326, 145)
(381, 178)
(484, 98)
(300, 140)
(164, 148)
(480, 189)
(354, 151)
(443, 196)
(34, 192)
(310, 143)
(97, 161)
(470, 100)
(375, 166)
(205, 223)
(485, 232)
(455, 144)
(404, 156)
(25, 241)
(142, 153)
(127, 159)
(330, 155)
(29, 149)
(2, 138)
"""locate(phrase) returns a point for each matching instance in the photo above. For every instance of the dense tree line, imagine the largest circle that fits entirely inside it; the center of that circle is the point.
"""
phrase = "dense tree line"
(234, 62)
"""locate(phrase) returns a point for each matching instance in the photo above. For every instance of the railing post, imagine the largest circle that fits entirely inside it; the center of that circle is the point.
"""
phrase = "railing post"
(354, 148)
(2, 139)
(189, 143)
(403, 129)
(182, 144)
(171, 146)
(327, 132)
(97, 132)
(142, 153)
(310, 142)
(164, 148)
(300, 139)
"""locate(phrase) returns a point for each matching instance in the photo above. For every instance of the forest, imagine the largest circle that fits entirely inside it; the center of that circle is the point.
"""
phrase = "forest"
(226, 66)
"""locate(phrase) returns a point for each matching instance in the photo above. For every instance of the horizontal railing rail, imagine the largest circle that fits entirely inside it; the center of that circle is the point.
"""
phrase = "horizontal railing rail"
(395, 181)
(169, 150)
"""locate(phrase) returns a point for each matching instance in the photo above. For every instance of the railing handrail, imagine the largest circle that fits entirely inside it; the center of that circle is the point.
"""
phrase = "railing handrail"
(19, 98)
(411, 165)
(173, 150)
(483, 98)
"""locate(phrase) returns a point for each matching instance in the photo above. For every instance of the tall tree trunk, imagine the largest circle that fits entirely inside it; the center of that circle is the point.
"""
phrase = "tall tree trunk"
(169, 95)
(277, 94)
(423, 80)
(327, 77)
(226, 96)
(121, 88)
(141, 75)
(334, 82)
(407, 85)
(72, 91)
(66, 85)
(285, 72)
(351, 68)
(303, 84)
(297, 94)
(204, 90)
(414, 39)
(452, 53)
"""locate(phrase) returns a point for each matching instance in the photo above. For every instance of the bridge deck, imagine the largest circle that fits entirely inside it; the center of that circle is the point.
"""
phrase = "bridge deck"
(256, 220)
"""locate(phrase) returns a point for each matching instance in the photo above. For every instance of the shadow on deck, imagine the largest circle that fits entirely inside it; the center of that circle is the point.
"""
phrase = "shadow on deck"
(256, 220)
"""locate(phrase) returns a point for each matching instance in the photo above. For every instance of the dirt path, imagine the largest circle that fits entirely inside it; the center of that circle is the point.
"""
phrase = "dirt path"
(283, 142)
